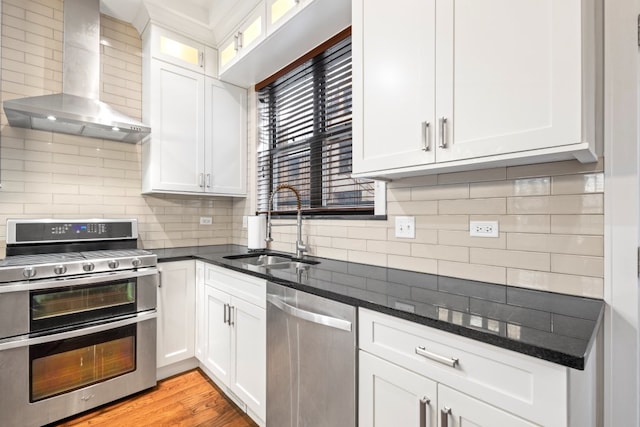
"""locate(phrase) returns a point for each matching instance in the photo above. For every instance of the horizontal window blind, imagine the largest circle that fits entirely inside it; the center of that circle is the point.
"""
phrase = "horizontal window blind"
(305, 138)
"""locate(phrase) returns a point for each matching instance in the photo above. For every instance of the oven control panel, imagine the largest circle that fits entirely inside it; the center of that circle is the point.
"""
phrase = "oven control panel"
(44, 231)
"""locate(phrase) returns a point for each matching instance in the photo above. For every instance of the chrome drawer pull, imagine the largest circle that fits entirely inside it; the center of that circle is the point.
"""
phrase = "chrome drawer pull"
(423, 410)
(449, 361)
(426, 136)
(444, 416)
(443, 130)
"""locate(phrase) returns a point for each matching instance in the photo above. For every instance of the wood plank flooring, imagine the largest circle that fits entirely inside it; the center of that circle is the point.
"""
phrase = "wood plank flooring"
(187, 400)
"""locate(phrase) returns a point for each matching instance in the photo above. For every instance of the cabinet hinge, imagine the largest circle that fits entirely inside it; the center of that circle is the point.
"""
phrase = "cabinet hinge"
(638, 270)
(638, 30)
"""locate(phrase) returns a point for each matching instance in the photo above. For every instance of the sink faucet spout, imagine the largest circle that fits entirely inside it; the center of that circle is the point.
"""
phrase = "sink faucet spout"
(301, 248)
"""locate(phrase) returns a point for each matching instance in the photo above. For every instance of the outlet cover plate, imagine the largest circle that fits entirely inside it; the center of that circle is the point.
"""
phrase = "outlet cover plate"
(484, 229)
(206, 220)
(406, 227)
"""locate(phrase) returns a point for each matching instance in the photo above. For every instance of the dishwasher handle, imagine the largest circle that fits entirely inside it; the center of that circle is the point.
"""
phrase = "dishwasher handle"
(320, 319)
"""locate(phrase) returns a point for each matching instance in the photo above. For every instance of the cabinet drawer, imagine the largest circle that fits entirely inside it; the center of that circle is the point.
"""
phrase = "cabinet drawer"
(246, 287)
(532, 388)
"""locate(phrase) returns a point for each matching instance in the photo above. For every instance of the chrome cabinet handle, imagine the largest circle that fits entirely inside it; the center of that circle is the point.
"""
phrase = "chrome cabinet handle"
(231, 312)
(423, 410)
(201, 59)
(224, 314)
(426, 136)
(449, 361)
(443, 130)
(159, 278)
(236, 42)
(239, 39)
(208, 180)
(444, 416)
(201, 180)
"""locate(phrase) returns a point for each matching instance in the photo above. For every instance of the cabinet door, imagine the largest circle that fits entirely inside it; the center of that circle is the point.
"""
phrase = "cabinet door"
(460, 410)
(248, 377)
(177, 49)
(280, 11)
(248, 34)
(226, 138)
(176, 312)
(508, 76)
(201, 329)
(177, 121)
(218, 345)
(391, 396)
(394, 103)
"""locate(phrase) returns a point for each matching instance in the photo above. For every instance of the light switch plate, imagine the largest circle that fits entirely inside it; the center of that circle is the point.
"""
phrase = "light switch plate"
(406, 227)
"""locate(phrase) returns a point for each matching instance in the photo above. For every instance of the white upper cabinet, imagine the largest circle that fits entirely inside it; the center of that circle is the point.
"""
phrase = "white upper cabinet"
(182, 51)
(198, 124)
(226, 127)
(249, 33)
(173, 158)
(276, 33)
(280, 11)
(487, 83)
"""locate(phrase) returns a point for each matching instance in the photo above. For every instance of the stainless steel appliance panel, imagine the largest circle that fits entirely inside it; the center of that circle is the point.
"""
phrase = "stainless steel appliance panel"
(15, 408)
(15, 307)
(311, 360)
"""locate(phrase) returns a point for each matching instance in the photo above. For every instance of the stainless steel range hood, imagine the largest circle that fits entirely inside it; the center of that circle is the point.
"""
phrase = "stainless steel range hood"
(78, 110)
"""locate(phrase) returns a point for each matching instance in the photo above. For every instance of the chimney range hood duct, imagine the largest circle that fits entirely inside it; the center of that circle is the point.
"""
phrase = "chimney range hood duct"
(77, 110)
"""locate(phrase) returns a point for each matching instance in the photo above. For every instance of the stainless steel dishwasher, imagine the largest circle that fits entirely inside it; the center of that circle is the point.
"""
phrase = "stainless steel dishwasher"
(311, 360)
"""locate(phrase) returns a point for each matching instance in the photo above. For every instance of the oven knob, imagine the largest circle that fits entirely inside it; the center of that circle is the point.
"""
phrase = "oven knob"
(60, 269)
(136, 262)
(29, 272)
(113, 264)
(88, 266)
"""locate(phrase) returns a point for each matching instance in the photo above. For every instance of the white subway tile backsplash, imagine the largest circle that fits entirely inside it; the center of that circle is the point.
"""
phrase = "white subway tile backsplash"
(473, 206)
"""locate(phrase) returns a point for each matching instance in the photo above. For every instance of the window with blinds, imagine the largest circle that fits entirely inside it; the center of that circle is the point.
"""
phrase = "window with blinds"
(305, 138)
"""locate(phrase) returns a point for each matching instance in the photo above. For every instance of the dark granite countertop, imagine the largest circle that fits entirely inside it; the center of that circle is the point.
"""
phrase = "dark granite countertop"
(554, 327)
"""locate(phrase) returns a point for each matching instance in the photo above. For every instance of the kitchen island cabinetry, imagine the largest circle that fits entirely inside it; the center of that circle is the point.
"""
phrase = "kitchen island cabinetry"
(489, 83)
(233, 325)
(176, 315)
(419, 373)
(198, 139)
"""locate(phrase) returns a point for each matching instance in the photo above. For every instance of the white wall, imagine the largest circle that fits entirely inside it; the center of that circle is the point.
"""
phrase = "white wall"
(622, 200)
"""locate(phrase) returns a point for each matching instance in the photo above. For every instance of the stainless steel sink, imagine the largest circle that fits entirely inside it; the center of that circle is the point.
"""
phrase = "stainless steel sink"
(271, 261)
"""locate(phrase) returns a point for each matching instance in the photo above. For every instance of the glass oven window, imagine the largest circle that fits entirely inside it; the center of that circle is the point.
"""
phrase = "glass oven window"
(72, 305)
(62, 366)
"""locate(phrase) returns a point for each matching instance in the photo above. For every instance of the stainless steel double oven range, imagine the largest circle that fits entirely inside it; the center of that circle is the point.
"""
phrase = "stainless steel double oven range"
(77, 318)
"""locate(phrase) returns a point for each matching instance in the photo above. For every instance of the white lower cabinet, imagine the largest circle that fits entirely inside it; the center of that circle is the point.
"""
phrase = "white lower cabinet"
(233, 328)
(413, 375)
(392, 396)
(176, 312)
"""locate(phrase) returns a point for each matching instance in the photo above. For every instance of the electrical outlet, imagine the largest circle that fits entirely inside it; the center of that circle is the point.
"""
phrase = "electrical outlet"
(484, 229)
(206, 220)
(245, 220)
(406, 227)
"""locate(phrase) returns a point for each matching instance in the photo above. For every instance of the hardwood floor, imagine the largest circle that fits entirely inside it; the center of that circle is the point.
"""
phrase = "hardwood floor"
(188, 400)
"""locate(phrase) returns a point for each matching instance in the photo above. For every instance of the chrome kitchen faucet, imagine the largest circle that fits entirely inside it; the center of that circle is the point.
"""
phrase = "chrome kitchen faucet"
(301, 248)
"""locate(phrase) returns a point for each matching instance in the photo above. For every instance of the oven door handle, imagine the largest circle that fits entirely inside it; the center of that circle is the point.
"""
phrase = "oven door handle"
(24, 340)
(76, 281)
